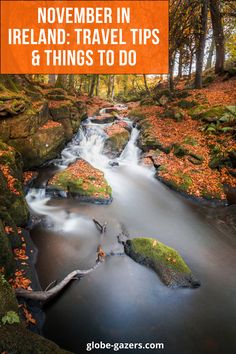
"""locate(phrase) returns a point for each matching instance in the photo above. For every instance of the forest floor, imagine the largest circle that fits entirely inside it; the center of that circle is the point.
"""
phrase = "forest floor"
(194, 132)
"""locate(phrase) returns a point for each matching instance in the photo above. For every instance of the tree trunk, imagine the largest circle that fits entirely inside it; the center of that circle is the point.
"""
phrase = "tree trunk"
(113, 87)
(71, 82)
(145, 84)
(81, 82)
(201, 45)
(109, 86)
(125, 84)
(97, 85)
(61, 81)
(52, 79)
(190, 65)
(210, 54)
(93, 82)
(218, 33)
(171, 72)
(180, 68)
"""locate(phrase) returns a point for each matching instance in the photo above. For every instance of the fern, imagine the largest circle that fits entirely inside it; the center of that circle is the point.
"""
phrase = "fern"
(10, 317)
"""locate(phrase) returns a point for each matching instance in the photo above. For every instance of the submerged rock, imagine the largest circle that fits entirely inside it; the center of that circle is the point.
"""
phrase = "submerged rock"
(113, 163)
(165, 261)
(83, 181)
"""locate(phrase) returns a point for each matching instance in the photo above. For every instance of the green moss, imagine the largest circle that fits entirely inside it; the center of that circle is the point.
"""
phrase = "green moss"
(196, 112)
(7, 261)
(7, 83)
(182, 94)
(213, 114)
(186, 181)
(158, 252)
(137, 115)
(189, 140)
(187, 104)
(179, 151)
(66, 181)
(208, 79)
(16, 339)
(11, 191)
(117, 141)
(7, 298)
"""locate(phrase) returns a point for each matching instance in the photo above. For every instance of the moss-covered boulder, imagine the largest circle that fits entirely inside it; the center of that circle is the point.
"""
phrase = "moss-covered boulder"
(118, 137)
(14, 337)
(165, 261)
(11, 191)
(69, 113)
(7, 298)
(28, 123)
(197, 111)
(7, 263)
(43, 146)
(213, 114)
(80, 180)
(147, 141)
(23, 124)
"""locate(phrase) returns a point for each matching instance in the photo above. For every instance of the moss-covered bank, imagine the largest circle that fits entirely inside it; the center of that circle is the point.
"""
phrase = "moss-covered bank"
(14, 337)
(26, 109)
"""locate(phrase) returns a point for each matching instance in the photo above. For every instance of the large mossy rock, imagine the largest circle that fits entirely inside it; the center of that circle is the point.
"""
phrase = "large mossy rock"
(11, 190)
(165, 261)
(42, 146)
(80, 180)
(213, 114)
(118, 137)
(69, 113)
(147, 141)
(14, 337)
(27, 123)
(7, 263)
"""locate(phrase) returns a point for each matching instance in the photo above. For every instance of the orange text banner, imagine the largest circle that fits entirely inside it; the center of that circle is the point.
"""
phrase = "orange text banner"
(79, 37)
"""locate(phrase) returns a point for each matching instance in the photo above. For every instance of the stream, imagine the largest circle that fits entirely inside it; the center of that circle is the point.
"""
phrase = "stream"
(123, 301)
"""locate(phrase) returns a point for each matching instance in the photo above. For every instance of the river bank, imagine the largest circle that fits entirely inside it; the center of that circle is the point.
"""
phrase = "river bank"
(189, 137)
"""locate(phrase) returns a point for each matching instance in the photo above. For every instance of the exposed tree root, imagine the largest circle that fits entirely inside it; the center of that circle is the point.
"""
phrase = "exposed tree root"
(52, 291)
(101, 228)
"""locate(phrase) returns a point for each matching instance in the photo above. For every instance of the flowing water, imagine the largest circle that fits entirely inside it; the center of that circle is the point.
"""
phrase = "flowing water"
(123, 301)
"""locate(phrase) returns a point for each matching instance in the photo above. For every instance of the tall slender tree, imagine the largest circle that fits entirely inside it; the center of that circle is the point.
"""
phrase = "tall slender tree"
(92, 85)
(201, 41)
(218, 34)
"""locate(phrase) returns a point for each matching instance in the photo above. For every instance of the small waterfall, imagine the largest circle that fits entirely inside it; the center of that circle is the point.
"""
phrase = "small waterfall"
(88, 144)
(91, 145)
(131, 152)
